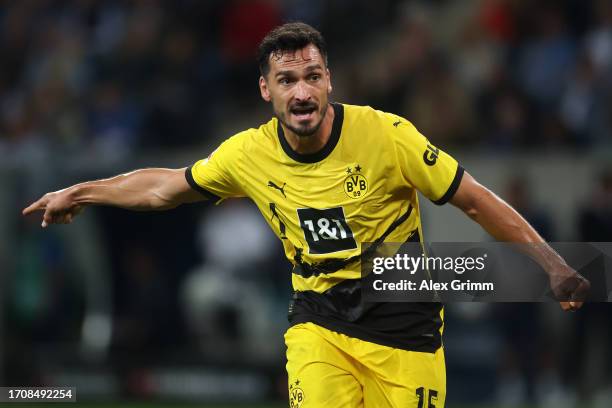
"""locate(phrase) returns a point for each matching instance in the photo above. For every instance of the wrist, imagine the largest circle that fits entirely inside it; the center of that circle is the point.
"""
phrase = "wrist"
(80, 194)
(547, 257)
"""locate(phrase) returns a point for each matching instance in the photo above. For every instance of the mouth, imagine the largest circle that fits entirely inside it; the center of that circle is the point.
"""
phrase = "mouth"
(303, 113)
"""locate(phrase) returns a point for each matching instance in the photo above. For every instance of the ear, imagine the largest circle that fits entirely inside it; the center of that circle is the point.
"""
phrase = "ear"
(329, 85)
(263, 88)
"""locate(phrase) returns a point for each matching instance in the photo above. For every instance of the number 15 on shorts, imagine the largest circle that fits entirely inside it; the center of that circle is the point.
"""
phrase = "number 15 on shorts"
(426, 398)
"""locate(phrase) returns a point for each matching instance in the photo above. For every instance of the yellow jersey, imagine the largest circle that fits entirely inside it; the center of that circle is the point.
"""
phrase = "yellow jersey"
(361, 187)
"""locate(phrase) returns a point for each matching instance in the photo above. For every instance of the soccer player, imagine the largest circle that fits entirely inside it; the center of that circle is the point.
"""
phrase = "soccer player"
(328, 177)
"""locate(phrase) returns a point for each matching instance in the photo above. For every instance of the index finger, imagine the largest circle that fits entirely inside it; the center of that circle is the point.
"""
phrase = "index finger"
(35, 206)
(580, 293)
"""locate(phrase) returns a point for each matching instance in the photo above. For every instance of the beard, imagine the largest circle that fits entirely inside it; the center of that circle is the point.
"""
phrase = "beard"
(303, 130)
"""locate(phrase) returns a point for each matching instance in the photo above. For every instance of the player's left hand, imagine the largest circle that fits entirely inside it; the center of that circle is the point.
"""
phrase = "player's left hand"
(569, 287)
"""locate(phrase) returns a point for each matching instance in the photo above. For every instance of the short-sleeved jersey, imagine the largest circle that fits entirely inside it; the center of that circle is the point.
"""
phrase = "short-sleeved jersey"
(359, 188)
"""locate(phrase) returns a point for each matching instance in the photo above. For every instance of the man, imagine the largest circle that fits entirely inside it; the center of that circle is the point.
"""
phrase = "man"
(328, 177)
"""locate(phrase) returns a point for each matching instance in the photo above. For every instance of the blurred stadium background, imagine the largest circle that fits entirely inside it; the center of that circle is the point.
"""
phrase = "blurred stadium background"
(189, 306)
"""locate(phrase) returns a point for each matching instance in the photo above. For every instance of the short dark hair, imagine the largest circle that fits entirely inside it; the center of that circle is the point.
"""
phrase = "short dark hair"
(289, 37)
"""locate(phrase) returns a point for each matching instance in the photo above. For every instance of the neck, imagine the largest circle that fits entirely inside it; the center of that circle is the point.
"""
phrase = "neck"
(314, 142)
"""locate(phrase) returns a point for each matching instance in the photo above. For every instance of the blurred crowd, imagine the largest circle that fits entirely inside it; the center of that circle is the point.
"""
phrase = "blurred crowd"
(503, 74)
(80, 76)
(113, 76)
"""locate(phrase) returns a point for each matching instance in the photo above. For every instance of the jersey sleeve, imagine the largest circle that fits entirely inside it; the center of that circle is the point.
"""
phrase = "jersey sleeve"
(425, 167)
(216, 176)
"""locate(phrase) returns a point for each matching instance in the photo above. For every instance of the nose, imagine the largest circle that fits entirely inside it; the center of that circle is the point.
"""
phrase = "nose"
(302, 91)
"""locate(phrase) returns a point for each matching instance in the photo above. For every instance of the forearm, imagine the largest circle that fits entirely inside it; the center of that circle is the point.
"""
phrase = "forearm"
(146, 189)
(502, 222)
(505, 224)
(139, 190)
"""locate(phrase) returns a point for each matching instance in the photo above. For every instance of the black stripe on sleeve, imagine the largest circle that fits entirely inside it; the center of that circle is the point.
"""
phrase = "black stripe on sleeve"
(452, 189)
(199, 188)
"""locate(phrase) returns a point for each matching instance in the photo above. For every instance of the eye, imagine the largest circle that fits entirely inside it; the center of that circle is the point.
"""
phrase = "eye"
(315, 77)
(284, 81)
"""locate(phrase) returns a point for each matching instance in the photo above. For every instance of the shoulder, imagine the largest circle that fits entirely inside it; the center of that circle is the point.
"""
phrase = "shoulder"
(384, 125)
(252, 139)
(360, 113)
(368, 115)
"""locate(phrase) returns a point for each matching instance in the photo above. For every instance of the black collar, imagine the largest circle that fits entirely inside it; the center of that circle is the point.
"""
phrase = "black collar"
(325, 150)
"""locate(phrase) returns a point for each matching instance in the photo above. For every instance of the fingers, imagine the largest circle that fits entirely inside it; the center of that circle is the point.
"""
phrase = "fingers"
(47, 219)
(576, 305)
(57, 207)
(39, 205)
(574, 290)
(571, 306)
(67, 219)
(56, 218)
(580, 293)
(35, 206)
(584, 286)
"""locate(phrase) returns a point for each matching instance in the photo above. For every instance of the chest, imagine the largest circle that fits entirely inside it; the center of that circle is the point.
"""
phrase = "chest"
(346, 181)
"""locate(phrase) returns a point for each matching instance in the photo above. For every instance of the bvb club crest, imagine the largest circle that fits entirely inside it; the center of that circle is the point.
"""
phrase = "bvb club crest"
(355, 184)
(296, 395)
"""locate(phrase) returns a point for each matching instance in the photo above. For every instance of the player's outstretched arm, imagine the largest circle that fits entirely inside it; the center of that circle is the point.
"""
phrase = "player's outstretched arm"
(505, 224)
(141, 190)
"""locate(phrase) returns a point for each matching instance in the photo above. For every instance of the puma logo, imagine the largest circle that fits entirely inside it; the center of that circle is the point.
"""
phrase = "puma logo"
(396, 124)
(281, 189)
